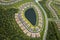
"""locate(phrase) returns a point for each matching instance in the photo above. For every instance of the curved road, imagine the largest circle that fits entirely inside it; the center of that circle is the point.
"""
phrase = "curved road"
(46, 27)
(2, 2)
(51, 9)
(57, 20)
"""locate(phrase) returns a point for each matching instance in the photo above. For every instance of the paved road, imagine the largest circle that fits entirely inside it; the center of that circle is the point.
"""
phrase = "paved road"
(46, 27)
(2, 2)
(51, 9)
(50, 19)
(58, 2)
(57, 20)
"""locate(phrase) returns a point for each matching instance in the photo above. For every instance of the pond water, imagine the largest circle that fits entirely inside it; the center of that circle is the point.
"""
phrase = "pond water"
(31, 15)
